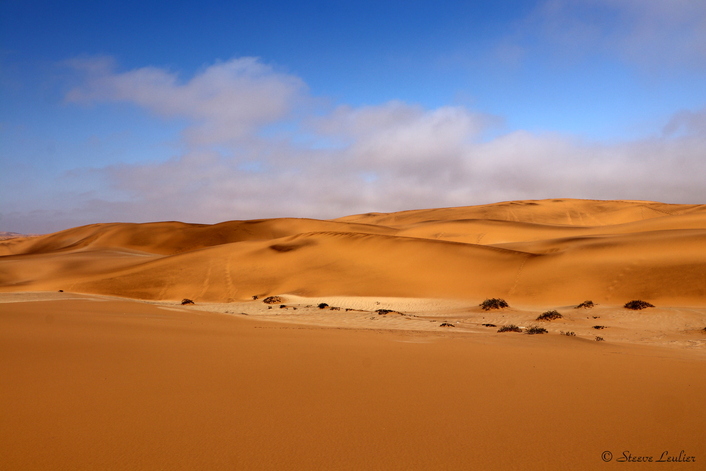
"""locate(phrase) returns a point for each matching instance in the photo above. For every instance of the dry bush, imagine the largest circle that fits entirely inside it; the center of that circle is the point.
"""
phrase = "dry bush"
(636, 305)
(493, 303)
(536, 330)
(509, 328)
(549, 316)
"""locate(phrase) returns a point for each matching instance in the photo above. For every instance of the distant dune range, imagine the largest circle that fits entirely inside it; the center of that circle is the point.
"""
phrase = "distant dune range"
(548, 252)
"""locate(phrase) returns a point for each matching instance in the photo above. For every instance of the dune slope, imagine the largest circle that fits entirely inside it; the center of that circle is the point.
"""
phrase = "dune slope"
(532, 252)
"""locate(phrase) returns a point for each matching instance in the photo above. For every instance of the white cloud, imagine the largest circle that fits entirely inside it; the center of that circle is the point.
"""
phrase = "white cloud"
(346, 160)
(227, 101)
(652, 33)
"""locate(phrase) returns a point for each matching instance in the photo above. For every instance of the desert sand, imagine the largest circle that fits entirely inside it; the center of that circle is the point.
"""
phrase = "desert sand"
(104, 368)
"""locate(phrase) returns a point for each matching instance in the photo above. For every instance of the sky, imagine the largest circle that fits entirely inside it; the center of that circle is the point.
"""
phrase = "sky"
(202, 112)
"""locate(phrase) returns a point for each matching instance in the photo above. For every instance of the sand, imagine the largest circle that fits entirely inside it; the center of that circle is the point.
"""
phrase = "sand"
(114, 373)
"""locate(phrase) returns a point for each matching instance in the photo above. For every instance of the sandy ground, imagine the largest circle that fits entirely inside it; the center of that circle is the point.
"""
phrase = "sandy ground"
(103, 368)
(99, 383)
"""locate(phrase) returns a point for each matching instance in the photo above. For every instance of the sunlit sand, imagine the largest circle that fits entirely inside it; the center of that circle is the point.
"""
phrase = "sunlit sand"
(360, 342)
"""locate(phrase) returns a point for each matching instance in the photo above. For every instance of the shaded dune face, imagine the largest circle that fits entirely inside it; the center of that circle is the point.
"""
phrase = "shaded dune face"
(535, 252)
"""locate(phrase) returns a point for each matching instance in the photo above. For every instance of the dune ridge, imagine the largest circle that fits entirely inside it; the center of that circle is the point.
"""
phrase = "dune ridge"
(558, 251)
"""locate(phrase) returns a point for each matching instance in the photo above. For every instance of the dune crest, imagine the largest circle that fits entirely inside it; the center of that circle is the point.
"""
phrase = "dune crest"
(532, 252)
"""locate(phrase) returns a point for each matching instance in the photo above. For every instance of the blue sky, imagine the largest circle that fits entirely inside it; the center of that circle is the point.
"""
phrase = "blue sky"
(203, 111)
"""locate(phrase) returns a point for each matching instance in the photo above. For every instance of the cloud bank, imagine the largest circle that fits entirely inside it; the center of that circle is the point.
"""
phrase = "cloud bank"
(257, 144)
(657, 34)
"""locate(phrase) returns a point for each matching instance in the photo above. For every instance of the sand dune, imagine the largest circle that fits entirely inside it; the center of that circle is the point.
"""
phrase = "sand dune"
(376, 354)
(531, 252)
(120, 385)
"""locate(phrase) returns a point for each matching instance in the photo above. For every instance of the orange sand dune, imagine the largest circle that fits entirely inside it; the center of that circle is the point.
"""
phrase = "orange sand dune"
(91, 384)
(533, 252)
(570, 212)
(376, 354)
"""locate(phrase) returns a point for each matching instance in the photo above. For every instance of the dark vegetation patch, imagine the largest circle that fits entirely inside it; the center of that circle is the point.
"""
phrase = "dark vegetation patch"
(335, 308)
(186, 301)
(446, 324)
(272, 300)
(599, 339)
(323, 306)
(585, 305)
(599, 327)
(536, 330)
(493, 303)
(568, 334)
(549, 316)
(637, 305)
(509, 328)
(384, 311)
(489, 325)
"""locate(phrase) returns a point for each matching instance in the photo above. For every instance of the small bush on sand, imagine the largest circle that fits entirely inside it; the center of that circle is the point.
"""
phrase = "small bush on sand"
(323, 306)
(599, 339)
(384, 311)
(599, 327)
(493, 303)
(637, 305)
(186, 301)
(272, 300)
(446, 324)
(568, 334)
(549, 316)
(536, 330)
(509, 328)
(585, 305)
(493, 325)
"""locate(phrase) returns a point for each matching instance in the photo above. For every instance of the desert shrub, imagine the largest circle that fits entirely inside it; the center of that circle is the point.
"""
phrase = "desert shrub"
(637, 305)
(493, 325)
(384, 311)
(493, 303)
(446, 324)
(186, 301)
(599, 339)
(323, 306)
(568, 334)
(536, 330)
(282, 306)
(272, 300)
(599, 327)
(549, 316)
(509, 328)
(585, 305)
